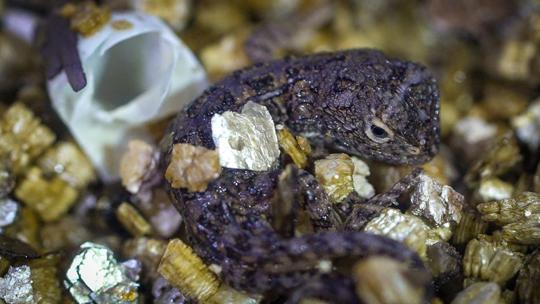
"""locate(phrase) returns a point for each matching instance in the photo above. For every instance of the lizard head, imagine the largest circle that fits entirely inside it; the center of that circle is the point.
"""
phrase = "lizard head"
(393, 114)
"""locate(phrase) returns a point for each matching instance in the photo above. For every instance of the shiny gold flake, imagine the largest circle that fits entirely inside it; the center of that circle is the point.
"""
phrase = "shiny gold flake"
(95, 276)
(132, 220)
(139, 159)
(22, 137)
(385, 280)
(187, 272)
(340, 174)
(50, 198)
(87, 18)
(439, 204)
(246, 140)
(67, 161)
(479, 293)
(16, 286)
(521, 208)
(291, 145)
(405, 228)
(485, 261)
(192, 167)
(334, 173)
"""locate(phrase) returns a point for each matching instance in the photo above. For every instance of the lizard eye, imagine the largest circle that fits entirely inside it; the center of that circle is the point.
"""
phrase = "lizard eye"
(378, 131)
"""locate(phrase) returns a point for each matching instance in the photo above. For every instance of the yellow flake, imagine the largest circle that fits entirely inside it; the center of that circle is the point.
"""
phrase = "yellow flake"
(192, 167)
(50, 198)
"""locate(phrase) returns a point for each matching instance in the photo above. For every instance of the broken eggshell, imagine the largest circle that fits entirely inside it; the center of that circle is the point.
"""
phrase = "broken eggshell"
(134, 75)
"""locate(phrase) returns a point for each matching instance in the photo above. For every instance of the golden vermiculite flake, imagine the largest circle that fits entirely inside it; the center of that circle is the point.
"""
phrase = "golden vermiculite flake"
(50, 198)
(519, 216)
(520, 208)
(438, 204)
(339, 175)
(499, 159)
(87, 18)
(479, 293)
(488, 262)
(291, 145)
(409, 229)
(496, 239)
(494, 189)
(45, 279)
(525, 233)
(192, 167)
(4, 265)
(335, 175)
(226, 294)
(246, 140)
(67, 161)
(384, 280)
(22, 137)
(135, 163)
(187, 272)
(468, 228)
(132, 220)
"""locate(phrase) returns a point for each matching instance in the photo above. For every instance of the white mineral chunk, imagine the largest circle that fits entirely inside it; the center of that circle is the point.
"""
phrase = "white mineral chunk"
(134, 76)
(246, 140)
(16, 286)
(360, 183)
(95, 276)
(474, 129)
(527, 125)
(8, 211)
(437, 203)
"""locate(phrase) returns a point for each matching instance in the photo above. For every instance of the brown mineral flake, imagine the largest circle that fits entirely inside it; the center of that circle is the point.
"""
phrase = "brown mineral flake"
(88, 18)
(192, 167)
(135, 163)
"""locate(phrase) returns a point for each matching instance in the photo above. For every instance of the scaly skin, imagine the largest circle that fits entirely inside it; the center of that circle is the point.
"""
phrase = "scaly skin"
(334, 99)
